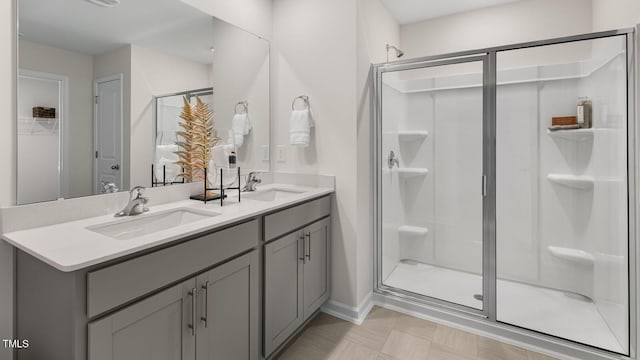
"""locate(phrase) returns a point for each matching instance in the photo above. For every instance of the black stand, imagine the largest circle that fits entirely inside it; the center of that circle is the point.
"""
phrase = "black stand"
(214, 196)
(155, 183)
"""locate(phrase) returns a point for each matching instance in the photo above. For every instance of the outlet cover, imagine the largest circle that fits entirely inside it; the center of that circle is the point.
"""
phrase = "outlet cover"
(265, 152)
(282, 153)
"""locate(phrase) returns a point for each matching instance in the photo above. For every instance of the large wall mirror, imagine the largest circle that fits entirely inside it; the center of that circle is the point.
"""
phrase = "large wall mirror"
(100, 89)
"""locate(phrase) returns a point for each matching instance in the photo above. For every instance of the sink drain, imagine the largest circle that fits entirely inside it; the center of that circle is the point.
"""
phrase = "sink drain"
(478, 297)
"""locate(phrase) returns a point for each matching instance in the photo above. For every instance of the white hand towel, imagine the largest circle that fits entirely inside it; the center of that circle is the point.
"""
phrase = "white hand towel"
(241, 127)
(300, 127)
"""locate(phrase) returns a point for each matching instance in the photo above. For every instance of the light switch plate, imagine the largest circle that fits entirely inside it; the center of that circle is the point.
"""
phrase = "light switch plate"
(282, 153)
(265, 152)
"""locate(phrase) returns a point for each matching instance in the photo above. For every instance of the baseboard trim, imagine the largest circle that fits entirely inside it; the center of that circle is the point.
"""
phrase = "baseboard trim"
(355, 315)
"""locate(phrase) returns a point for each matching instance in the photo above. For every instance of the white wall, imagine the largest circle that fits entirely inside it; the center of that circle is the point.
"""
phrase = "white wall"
(79, 127)
(241, 73)
(375, 28)
(38, 142)
(251, 15)
(611, 15)
(507, 24)
(313, 52)
(153, 74)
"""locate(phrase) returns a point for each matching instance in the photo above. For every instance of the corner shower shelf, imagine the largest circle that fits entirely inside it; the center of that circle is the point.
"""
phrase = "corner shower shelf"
(406, 173)
(581, 182)
(574, 135)
(573, 255)
(412, 230)
(412, 135)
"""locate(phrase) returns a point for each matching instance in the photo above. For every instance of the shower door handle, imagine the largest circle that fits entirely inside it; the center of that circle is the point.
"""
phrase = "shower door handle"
(484, 185)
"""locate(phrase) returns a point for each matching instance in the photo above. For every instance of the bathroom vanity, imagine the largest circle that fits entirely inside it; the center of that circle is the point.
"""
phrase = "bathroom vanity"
(194, 290)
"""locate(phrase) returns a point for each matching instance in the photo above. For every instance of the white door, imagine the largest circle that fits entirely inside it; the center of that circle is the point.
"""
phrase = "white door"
(107, 132)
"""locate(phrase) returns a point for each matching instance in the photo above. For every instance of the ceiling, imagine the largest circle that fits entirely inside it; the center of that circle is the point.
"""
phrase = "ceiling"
(410, 11)
(170, 26)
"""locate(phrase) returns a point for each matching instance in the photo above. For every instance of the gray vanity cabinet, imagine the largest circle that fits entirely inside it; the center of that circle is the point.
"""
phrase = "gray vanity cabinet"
(228, 326)
(160, 327)
(154, 328)
(315, 266)
(283, 284)
(296, 281)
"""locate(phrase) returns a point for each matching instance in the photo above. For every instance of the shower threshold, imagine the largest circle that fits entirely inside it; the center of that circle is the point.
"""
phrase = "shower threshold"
(545, 310)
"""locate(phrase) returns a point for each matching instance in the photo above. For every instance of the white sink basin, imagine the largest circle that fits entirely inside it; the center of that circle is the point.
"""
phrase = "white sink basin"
(270, 194)
(151, 223)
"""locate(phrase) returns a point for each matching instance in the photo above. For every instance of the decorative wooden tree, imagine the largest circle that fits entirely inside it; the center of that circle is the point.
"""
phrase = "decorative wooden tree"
(199, 137)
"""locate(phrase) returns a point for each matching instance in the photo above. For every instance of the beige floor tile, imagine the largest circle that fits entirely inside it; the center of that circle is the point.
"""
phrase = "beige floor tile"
(385, 357)
(537, 356)
(329, 327)
(416, 327)
(380, 320)
(348, 350)
(441, 352)
(371, 338)
(457, 341)
(406, 347)
(311, 346)
(489, 349)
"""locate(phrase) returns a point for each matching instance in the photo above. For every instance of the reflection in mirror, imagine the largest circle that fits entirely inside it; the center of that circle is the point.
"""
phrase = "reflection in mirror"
(87, 79)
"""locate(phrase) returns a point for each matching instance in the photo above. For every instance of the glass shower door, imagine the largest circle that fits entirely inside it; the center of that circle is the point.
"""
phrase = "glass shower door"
(431, 180)
(562, 231)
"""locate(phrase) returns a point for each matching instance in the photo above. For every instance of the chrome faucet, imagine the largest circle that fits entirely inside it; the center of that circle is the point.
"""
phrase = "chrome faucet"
(136, 203)
(252, 181)
(108, 188)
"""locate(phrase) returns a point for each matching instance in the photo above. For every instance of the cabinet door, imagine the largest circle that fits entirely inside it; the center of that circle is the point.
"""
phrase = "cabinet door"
(228, 315)
(316, 266)
(156, 328)
(283, 312)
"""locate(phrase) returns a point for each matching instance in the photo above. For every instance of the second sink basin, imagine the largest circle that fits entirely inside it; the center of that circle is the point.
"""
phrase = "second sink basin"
(270, 194)
(151, 223)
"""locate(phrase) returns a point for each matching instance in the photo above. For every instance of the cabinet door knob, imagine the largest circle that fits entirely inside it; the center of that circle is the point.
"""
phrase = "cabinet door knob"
(308, 236)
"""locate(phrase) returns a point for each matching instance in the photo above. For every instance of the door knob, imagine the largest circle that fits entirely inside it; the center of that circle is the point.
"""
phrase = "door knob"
(115, 167)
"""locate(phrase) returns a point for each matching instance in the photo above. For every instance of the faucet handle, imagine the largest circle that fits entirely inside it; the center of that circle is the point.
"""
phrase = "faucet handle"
(136, 192)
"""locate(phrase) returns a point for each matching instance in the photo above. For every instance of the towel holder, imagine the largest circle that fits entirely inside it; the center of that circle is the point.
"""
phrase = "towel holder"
(245, 106)
(304, 98)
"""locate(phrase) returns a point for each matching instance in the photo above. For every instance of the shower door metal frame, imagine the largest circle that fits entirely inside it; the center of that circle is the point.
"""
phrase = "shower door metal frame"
(489, 56)
(487, 185)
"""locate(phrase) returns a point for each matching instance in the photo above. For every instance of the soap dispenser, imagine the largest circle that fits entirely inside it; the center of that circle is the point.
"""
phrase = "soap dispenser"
(584, 113)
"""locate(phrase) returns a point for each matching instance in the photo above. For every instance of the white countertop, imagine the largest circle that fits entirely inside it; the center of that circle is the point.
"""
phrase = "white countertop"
(70, 246)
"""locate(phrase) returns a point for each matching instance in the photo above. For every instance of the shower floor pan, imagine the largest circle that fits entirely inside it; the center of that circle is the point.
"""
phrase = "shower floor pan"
(548, 311)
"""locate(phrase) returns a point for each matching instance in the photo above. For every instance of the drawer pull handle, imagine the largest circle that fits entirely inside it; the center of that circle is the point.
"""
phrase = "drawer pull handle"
(194, 304)
(204, 318)
(308, 236)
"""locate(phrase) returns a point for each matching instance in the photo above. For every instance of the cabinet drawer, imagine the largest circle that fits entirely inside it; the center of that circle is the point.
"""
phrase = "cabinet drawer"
(296, 217)
(120, 283)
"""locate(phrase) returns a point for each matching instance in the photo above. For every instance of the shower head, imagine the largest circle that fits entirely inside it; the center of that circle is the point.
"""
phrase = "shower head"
(399, 53)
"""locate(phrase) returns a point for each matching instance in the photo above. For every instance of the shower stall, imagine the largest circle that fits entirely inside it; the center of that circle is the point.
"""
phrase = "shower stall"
(483, 209)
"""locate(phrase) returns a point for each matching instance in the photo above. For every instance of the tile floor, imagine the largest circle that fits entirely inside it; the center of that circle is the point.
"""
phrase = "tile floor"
(389, 335)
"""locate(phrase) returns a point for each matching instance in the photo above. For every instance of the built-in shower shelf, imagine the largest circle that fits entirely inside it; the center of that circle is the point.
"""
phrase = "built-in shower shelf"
(412, 135)
(573, 255)
(580, 182)
(409, 230)
(407, 173)
(574, 135)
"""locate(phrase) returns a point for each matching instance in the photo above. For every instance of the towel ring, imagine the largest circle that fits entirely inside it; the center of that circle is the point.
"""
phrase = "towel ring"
(304, 98)
(245, 106)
